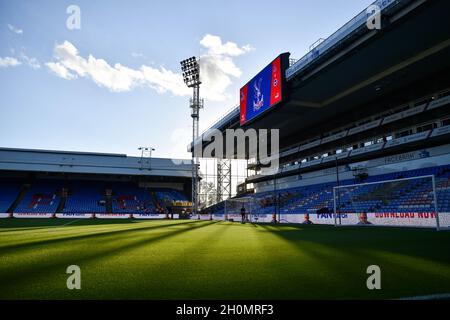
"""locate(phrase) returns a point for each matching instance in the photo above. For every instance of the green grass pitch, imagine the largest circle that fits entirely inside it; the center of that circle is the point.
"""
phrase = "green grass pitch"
(217, 260)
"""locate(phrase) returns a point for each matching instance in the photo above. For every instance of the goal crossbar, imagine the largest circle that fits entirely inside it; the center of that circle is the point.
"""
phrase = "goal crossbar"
(433, 184)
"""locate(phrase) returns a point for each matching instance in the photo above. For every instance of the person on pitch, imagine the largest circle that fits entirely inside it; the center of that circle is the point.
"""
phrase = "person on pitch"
(243, 218)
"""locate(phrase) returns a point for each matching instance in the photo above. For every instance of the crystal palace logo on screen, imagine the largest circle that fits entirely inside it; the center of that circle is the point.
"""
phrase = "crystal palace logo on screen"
(262, 92)
(258, 98)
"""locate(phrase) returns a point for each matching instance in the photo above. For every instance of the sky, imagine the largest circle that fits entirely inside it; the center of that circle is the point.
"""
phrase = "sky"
(113, 82)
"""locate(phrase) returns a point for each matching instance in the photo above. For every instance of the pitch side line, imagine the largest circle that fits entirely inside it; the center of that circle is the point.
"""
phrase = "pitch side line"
(442, 296)
(66, 224)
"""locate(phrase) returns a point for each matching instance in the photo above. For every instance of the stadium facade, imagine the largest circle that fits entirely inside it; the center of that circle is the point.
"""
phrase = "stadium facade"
(366, 107)
(45, 183)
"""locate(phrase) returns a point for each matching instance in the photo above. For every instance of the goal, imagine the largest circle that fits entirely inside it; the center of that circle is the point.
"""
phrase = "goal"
(252, 207)
(410, 202)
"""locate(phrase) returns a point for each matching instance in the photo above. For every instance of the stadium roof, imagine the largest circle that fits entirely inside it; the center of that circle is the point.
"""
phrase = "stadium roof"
(357, 70)
(30, 160)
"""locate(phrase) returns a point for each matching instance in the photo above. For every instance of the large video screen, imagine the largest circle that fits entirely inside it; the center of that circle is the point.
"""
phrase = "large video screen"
(262, 92)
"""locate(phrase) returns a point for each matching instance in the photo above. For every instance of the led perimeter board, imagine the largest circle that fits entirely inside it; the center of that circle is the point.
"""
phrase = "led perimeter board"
(265, 90)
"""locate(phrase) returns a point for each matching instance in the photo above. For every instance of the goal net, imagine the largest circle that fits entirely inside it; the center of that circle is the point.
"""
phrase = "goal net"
(251, 205)
(411, 202)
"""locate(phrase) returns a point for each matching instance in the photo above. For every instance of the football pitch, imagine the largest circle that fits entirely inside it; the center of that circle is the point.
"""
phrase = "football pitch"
(170, 259)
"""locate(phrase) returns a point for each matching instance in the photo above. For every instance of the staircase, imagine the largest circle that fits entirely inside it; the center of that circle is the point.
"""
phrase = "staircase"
(62, 202)
(23, 191)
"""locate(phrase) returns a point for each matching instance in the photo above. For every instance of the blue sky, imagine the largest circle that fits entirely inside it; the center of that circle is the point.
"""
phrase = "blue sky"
(114, 84)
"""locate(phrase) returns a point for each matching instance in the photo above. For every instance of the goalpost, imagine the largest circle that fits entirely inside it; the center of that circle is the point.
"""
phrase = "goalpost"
(409, 202)
(233, 208)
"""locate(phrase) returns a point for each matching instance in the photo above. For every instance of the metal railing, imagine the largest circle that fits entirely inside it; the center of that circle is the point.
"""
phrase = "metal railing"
(336, 37)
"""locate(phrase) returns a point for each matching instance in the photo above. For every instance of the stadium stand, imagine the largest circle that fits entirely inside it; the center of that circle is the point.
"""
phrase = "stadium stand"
(405, 196)
(9, 190)
(170, 195)
(348, 141)
(67, 183)
(85, 197)
(129, 198)
(165, 197)
(42, 197)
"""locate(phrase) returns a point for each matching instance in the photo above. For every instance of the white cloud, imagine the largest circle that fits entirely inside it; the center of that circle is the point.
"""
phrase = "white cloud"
(61, 71)
(12, 62)
(117, 78)
(216, 47)
(217, 65)
(163, 80)
(32, 62)
(14, 29)
(9, 62)
(217, 68)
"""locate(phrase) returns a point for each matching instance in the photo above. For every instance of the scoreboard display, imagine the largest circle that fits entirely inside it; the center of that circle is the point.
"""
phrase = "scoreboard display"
(264, 91)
